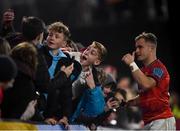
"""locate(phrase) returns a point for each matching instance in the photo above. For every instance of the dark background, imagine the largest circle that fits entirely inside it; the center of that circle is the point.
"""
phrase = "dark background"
(115, 23)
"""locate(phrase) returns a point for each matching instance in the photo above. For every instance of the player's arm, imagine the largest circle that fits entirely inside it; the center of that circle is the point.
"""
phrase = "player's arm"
(144, 81)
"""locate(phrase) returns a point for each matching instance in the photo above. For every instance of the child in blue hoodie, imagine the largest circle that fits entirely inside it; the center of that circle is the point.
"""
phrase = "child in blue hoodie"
(87, 88)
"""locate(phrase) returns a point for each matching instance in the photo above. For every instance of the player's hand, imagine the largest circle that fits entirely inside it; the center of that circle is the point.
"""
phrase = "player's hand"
(128, 58)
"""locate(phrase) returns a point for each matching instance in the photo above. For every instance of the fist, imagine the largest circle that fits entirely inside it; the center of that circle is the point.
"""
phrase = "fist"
(128, 58)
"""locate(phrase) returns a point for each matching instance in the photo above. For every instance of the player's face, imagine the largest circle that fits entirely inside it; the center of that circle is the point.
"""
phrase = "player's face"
(143, 50)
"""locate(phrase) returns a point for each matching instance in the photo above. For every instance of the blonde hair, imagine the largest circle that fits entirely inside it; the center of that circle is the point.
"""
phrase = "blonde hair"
(102, 51)
(147, 37)
(61, 28)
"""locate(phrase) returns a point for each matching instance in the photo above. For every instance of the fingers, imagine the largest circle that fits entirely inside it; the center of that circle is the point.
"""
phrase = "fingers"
(72, 66)
(33, 103)
(114, 103)
(110, 99)
(128, 58)
(133, 54)
(90, 69)
(64, 122)
(68, 70)
(89, 76)
(90, 80)
(63, 68)
(65, 50)
(51, 121)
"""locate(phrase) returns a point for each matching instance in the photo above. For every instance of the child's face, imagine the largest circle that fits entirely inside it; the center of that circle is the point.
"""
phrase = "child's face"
(106, 90)
(55, 40)
(90, 57)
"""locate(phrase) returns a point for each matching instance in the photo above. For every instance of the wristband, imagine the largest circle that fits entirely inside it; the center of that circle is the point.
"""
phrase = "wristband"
(133, 67)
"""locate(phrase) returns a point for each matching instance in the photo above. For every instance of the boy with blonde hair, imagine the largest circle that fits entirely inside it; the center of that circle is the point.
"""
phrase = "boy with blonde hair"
(92, 102)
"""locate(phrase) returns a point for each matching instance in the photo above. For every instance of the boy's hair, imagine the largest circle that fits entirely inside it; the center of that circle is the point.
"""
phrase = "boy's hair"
(61, 28)
(102, 51)
(147, 37)
(32, 27)
(25, 52)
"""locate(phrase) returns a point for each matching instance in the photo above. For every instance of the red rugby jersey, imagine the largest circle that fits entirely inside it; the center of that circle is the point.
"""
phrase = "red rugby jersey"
(154, 102)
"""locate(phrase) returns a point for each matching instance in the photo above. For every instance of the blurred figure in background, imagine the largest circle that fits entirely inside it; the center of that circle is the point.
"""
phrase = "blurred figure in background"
(125, 84)
(7, 23)
(111, 70)
(109, 86)
(130, 118)
(175, 104)
(4, 47)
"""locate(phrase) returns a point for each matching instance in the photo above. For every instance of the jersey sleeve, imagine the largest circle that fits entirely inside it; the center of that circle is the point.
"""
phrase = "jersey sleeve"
(157, 73)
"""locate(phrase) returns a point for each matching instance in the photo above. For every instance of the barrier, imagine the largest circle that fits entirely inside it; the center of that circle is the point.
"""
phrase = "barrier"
(18, 125)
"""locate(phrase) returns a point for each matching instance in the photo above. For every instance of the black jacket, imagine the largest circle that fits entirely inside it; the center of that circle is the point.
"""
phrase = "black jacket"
(59, 101)
(16, 99)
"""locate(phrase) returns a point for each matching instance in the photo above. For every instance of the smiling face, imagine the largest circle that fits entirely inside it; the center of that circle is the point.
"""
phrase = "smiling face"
(56, 40)
(90, 57)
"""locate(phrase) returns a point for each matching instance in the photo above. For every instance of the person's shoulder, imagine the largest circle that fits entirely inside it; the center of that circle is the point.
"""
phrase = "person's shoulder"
(157, 64)
(159, 68)
(42, 50)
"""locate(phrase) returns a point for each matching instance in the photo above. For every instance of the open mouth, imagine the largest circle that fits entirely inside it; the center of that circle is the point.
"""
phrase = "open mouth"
(50, 43)
(83, 57)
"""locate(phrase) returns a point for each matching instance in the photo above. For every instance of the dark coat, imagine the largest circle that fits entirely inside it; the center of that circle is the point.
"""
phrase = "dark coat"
(59, 101)
(16, 99)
